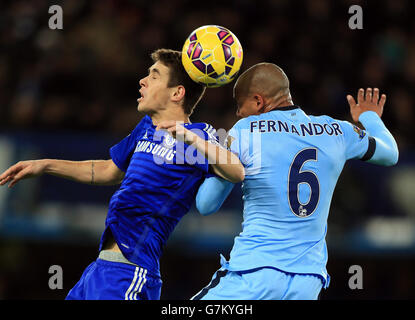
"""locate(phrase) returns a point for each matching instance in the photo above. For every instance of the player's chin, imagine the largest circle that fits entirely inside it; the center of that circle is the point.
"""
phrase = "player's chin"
(141, 106)
(241, 114)
(147, 108)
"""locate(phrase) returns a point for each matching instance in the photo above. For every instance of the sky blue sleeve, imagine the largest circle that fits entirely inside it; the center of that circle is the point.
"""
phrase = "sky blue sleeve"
(211, 194)
(234, 141)
(246, 145)
(240, 143)
(386, 149)
(357, 141)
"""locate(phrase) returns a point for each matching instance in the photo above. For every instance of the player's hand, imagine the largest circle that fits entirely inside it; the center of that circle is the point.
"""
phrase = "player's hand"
(177, 130)
(22, 170)
(366, 101)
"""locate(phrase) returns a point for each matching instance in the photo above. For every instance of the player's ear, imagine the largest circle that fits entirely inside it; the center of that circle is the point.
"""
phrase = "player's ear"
(259, 102)
(178, 93)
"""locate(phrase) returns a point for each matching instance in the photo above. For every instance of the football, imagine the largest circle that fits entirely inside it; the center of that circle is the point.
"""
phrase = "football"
(212, 55)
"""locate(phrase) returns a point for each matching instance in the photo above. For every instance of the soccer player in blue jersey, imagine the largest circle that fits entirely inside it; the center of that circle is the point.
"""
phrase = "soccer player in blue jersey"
(292, 162)
(160, 172)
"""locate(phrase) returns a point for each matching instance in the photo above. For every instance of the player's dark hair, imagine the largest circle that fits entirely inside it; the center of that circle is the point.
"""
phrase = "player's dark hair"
(178, 76)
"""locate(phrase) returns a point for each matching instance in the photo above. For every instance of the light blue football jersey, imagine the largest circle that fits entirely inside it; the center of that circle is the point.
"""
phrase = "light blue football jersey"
(292, 162)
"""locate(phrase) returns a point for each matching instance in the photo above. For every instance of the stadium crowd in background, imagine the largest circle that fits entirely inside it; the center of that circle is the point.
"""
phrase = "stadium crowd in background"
(85, 77)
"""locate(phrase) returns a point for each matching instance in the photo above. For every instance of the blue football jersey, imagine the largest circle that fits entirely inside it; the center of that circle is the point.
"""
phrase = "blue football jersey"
(162, 176)
(292, 162)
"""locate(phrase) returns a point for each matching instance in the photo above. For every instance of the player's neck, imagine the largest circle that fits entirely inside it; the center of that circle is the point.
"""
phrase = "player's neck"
(285, 101)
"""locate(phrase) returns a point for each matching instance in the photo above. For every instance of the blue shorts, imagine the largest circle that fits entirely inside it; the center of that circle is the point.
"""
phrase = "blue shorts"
(265, 283)
(109, 280)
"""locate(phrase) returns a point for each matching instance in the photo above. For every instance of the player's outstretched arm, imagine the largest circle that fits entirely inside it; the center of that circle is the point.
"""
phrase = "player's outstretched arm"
(211, 194)
(368, 110)
(99, 172)
(223, 162)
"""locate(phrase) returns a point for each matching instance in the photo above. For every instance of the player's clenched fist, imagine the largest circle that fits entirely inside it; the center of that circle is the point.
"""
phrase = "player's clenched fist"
(366, 101)
(21, 170)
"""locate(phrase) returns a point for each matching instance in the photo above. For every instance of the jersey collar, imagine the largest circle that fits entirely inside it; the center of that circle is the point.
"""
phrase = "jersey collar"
(286, 108)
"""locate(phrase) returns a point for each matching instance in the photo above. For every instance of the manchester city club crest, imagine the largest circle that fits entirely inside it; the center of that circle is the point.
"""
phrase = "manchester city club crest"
(168, 141)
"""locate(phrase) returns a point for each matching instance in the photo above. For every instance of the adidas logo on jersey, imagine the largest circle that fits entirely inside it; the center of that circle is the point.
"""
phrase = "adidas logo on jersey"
(145, 136)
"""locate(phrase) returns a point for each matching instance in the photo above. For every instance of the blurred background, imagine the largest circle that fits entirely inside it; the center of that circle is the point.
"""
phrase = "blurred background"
(71, 94)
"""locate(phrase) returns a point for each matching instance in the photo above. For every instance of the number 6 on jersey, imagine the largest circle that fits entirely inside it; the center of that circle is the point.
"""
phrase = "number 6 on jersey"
(296, 177)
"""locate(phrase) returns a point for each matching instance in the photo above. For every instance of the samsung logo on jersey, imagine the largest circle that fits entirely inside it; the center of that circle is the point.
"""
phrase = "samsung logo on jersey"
(155, 149)
(303, 129)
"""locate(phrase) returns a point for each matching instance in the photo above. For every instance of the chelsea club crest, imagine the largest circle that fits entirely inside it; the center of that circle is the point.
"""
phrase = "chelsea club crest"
(168, 141)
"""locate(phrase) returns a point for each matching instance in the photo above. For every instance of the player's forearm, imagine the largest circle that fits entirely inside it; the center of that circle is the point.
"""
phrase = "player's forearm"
(223, 162)
(88, 172)
(231, 172)
(386, 152)
(211, 195)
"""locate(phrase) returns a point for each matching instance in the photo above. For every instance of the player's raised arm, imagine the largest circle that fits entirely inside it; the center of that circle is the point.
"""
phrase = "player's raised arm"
(99, 172)
(223, 162)
(368, 110)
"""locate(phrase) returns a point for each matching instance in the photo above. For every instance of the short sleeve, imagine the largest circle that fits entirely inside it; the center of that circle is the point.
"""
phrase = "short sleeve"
(233, 141)
(358, 143)
(121, 152)
(191, 155)
(241, 142)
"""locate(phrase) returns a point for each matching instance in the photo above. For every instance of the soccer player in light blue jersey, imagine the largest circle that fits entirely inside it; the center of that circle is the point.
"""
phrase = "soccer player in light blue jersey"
(160, 172)
(292, 162)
